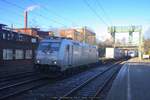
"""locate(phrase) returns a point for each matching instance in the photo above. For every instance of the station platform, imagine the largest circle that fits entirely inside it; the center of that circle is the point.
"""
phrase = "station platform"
(132, 82)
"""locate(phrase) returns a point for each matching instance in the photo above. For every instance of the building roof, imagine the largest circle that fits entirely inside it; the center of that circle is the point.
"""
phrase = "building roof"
(27, 28)
(2, 25)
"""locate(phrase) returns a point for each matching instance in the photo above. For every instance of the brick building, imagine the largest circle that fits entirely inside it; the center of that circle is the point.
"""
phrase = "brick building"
(17, 50)
(34, 32)
(79, 34)
(87, 35)
(70, 33)
(28, 31)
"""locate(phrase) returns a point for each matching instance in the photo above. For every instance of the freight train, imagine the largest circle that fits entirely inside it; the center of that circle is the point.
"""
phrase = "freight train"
(59, 54)
(114, 53)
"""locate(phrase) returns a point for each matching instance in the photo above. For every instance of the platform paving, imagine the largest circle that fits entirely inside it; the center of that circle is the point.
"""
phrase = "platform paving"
(131, 83)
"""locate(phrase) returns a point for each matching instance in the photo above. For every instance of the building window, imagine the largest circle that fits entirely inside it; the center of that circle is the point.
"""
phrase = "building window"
(8, 36)
(28, 54)
(4, 36)
(19, 54)
(7, 54)
(20, 37)
(33, 40)
(12, 36)
(1, 36)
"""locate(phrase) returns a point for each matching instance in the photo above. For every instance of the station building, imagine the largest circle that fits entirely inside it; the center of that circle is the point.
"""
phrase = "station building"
(16, 49)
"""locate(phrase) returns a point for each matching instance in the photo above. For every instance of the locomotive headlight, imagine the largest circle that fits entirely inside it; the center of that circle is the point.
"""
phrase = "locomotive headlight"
(38, 61)
(48, 53)
(55, 62)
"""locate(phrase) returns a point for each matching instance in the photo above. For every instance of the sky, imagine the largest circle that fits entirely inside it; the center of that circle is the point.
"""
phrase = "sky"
(96, 14)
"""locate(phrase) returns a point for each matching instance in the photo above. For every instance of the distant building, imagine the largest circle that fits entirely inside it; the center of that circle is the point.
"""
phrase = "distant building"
(87, 35)
(2, 26)
(28, 31)
(44, 34)
(79, 34)
(70, 33)
(34, 32)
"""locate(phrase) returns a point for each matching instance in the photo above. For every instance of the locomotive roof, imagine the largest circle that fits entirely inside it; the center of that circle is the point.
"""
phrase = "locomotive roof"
(59, 39)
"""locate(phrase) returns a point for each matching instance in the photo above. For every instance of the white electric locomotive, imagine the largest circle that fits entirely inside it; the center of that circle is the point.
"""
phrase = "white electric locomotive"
(59, 54)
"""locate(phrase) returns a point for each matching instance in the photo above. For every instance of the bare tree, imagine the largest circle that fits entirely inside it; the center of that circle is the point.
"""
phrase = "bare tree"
(147, 46)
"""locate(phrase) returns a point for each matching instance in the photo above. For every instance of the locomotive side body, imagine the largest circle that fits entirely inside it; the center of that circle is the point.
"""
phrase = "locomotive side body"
(63, 54)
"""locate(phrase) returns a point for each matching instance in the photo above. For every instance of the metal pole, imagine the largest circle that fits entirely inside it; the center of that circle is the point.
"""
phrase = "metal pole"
(114, 32)
(140, 44)
(130, 36)
(84, 34)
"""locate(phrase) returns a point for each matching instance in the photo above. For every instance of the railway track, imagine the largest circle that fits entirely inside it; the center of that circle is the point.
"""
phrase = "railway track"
(16, 76)
(25, 83)
(94, 86)
(102, 91)
(11, 87)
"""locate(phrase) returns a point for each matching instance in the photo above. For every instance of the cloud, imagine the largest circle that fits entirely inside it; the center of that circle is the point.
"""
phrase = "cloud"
(31, 8)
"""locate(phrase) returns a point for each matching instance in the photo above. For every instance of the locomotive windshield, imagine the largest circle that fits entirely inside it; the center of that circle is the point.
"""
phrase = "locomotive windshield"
(49, 46)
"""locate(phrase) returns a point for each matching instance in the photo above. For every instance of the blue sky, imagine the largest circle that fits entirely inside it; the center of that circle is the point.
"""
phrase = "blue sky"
(76, 13)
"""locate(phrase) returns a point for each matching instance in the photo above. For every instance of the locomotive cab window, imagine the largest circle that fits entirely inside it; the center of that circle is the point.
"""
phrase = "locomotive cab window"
(67, 47)
(49, 46)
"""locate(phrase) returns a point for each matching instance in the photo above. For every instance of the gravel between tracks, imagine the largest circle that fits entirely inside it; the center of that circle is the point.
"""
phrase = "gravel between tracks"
(59, 88)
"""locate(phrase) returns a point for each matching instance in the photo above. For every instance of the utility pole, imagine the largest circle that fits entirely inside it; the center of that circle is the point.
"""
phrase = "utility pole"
(130, 36)
(12, 26)
(140, 44)
(84, 32)
(113, 31)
